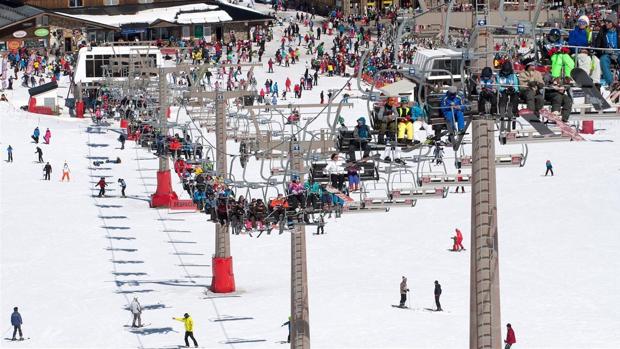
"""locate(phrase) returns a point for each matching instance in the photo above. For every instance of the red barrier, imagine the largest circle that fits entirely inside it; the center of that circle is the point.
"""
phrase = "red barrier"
(164, 195)
(32, 103)
(124, 123)
(587, 127)
(223, 280)
(79, 109)
(43, 110)
(168, 112)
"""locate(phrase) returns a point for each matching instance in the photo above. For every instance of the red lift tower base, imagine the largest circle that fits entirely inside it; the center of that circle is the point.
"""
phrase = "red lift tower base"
(164, 195)
(223, 280)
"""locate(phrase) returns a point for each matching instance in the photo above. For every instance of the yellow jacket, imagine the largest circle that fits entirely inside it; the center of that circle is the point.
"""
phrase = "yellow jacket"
(189, 323)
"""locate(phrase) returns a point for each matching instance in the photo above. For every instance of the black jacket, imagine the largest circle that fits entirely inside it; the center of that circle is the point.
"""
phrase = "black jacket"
(437, 290)
(600, 41)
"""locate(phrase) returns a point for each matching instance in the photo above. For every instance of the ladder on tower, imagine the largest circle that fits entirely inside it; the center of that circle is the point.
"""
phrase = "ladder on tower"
(299, 289)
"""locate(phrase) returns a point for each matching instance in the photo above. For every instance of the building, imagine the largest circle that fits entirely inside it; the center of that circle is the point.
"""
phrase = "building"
(44, 99)
(152, 19)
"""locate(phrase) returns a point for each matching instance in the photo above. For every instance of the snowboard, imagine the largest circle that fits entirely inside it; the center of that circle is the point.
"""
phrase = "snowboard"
(132, 328)
(566, 129)
(583, 80)
(17, 340)
(403, 307)
(533, 120)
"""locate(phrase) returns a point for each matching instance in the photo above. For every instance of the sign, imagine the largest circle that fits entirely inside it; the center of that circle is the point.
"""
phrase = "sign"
(411, 71)
(373, 97)
(482, 22)
(14, 45)
(182, 205)
(41, 32)
(20, 34)
(34, 43)
(520, 29)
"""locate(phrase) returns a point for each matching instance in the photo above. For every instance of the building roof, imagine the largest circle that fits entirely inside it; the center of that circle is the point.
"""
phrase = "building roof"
(185, 12)
(42, 88)
(11, 13)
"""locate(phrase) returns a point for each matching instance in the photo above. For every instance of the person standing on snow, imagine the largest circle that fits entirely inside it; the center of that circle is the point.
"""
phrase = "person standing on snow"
(40, 153)
(288, 323)
(437, 295)
(122, 139)
(35, 135)
(65, 172)
(47, 172)
(16, 322)
(189, 328)
(101, 184)
(549, 168)
(136, 311)
(123, 185)
(510, 337)
(9, 152)
(47, 136)
(403, 292)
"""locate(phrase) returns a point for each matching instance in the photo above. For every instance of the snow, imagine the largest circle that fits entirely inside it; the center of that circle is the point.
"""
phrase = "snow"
(147, 16)
(73, 262)
(203, 17)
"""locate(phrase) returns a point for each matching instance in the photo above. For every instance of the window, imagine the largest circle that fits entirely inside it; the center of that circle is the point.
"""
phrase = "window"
(42, 21)
(145, 1)
(76, 3)
(110, 2)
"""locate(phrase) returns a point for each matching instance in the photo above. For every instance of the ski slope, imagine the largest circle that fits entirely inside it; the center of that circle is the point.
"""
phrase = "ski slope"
(73, 262)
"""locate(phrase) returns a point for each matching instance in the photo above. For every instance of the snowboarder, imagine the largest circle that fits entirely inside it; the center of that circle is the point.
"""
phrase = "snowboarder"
(9, 152)
(123, 185)
(549, 168)
(320, 228)
(510, 336)
(288, 323)
(437, 295)
(458, 241)
(403, 292)
(101, 184)
(65, 172)
(136, 310)
(16, 322)
(189, 328)
(322, 97)
(35, 135)
(40, 153)
(47, 136)
(47, 171)
(122, 139)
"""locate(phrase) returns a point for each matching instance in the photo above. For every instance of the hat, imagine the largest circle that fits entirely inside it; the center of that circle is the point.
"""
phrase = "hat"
(452, 89)
(584, 19)
(612, 17)
(531, 64)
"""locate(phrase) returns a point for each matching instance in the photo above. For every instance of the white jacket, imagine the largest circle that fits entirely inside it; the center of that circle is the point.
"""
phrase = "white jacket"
(135, 307)
(333, 167)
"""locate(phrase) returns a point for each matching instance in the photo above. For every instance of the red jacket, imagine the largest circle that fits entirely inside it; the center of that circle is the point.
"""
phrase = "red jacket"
(459, 237)
(510, 336)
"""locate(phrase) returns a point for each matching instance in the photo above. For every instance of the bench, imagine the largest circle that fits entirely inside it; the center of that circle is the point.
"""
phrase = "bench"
(434, 181)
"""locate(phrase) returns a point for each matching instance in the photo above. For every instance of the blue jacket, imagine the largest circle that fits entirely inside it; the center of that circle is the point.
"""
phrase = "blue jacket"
(36, 132)
(578, 37)
(448, 101)
(16, 319)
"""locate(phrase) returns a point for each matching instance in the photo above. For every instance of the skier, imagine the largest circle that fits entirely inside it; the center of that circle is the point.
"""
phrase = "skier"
(101, 184)
(136, 310)
(403, 292)
(47, 169)
(122, 139)
(123, 185)
(452, 106)
(189, 328)
(510, 336)
(320, 228)
(47, 136)
(65, 172)
(35, 135)
(322, 97)
(9, 152)
(40, 152)
(458, 241)
(549, 168)
(288, 323)
(16, 322)
(437, 295)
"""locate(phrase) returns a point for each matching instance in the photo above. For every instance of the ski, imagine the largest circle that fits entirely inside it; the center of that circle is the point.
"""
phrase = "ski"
(16, 340)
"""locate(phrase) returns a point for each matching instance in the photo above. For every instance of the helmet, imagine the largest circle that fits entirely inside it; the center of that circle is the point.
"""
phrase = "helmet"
(554, 35)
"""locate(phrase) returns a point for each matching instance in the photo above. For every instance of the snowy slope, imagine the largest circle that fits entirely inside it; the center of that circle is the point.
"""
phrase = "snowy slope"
(72, 262)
